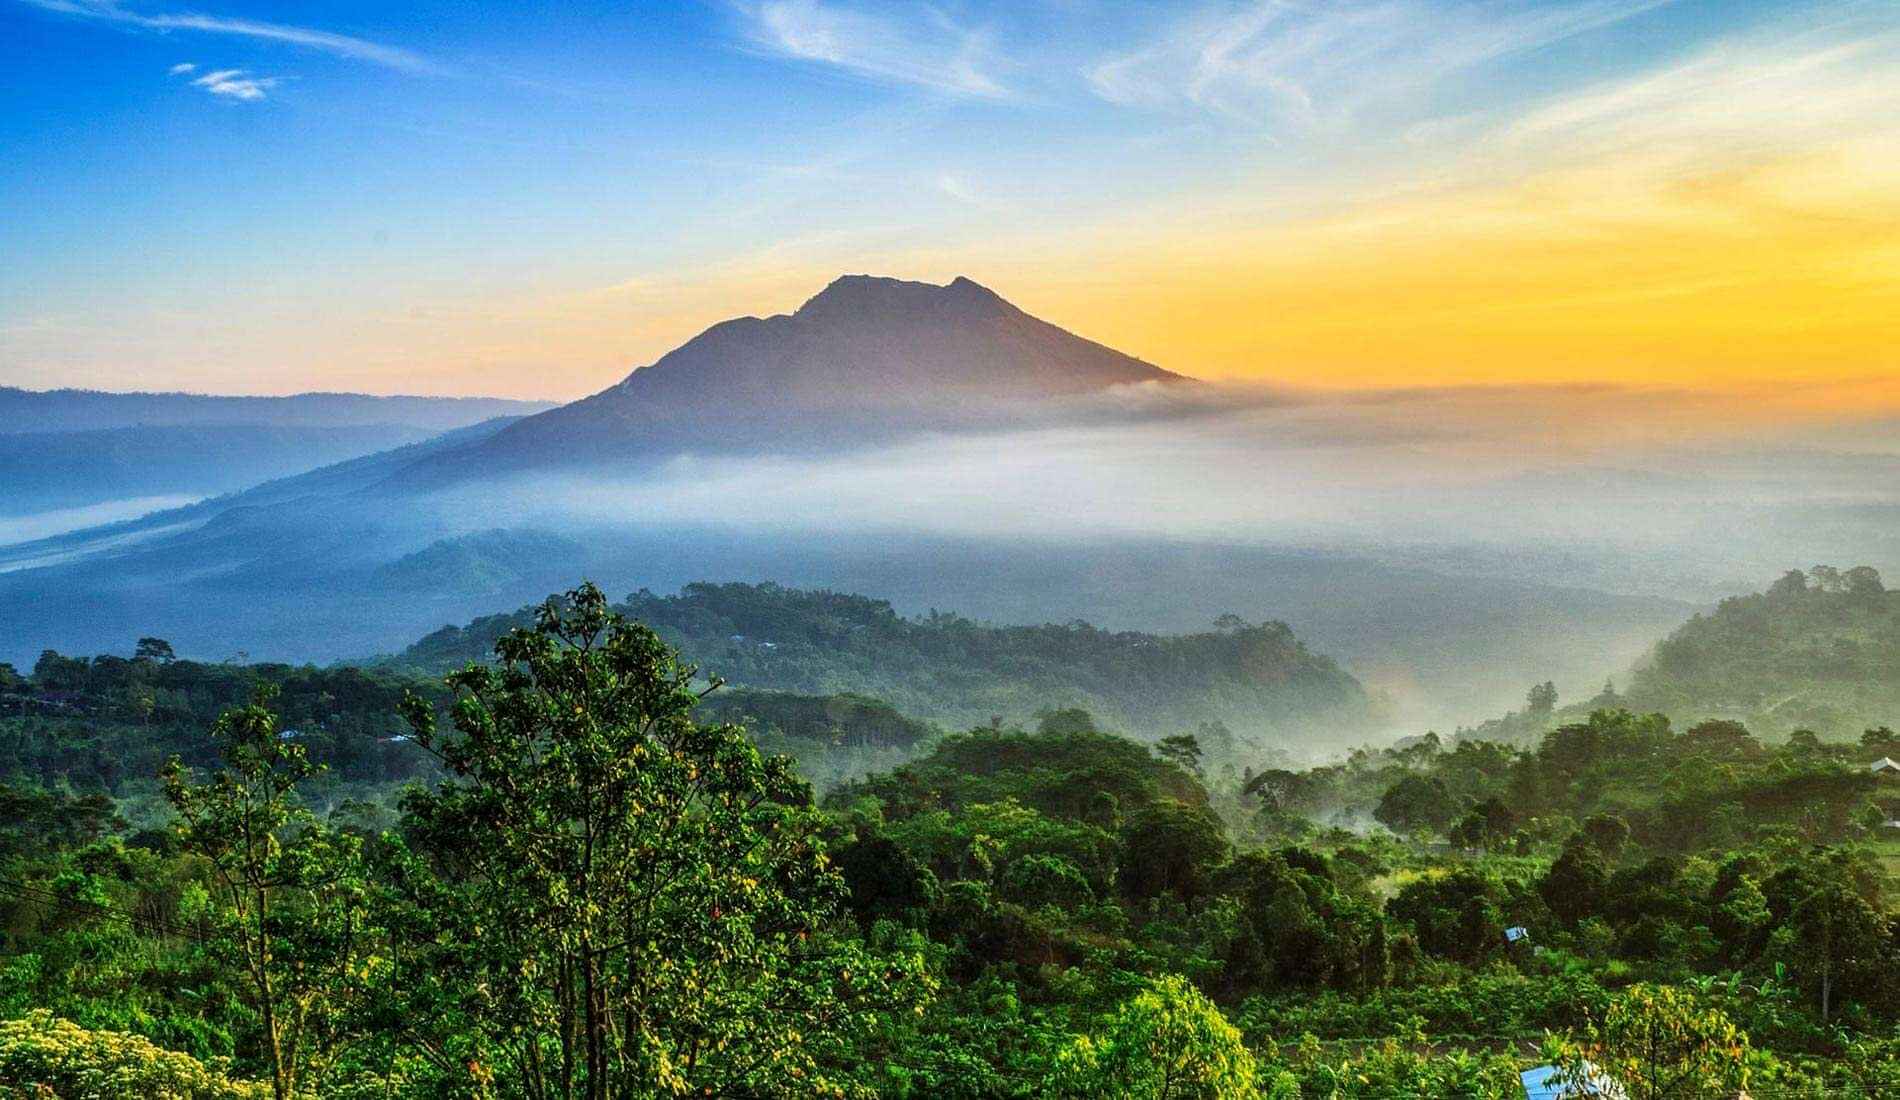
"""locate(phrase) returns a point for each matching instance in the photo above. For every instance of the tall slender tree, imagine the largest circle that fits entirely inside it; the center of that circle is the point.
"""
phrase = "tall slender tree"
(293, 891)
(609, 900)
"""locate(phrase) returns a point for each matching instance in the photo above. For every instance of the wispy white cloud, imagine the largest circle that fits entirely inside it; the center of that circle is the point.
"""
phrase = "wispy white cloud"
(338, 45)
(957, 187)
(1777, 93)
(1304, 67)
(918, 46)
(236, 84)
(181, 68)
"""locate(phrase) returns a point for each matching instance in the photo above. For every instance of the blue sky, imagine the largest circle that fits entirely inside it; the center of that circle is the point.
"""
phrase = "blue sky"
(531, 199)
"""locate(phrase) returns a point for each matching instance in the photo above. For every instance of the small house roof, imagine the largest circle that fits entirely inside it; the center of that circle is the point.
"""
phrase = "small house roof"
(1546, 1083)
(1884, 764)
(1516, 933)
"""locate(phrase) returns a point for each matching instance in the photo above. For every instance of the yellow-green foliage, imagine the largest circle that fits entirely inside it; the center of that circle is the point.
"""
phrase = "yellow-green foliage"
(43, 1058)
(1166, 1043)
(1660, 1043)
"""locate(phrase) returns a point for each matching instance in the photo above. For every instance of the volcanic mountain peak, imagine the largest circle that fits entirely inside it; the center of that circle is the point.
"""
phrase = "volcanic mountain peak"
(866, 359)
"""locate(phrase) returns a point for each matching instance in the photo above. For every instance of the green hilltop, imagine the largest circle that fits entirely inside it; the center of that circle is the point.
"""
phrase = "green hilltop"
(1819, 650)
(1255, 679)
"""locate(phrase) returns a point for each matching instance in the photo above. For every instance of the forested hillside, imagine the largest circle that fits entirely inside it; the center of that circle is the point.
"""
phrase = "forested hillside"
(1256, 679)
(1818, 650)
(104, 725)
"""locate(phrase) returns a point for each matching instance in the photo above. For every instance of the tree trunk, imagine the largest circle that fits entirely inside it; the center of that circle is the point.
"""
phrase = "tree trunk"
(594, 1022)
(565, 997)
(267, 1004)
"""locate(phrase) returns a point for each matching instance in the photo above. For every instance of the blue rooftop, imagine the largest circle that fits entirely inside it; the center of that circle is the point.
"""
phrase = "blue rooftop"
(1543, 1083)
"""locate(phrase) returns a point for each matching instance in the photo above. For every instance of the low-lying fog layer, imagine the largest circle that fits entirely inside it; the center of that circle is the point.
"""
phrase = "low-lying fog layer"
(1450, 547)
(1158, 511)
(1642, 491)
(59, 521)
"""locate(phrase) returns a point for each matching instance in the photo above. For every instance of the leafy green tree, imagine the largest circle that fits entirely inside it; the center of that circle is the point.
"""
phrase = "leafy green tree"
(1487, 825)
(1066, 721)
(1169, 848)
(1279, 790)
(885, 881)
(1863, 580)
(1720, 739)
(1416, 803)
(1182, 750)
(1740, 918)
(1295, 928)
(1168, 1042)
(1607, 833)
(1037, 880)
(1575, 885)
(1659, 1044)
(293, 891)
(36, 822)
(57, 673)
(1457, 916)
(157, 650)
(139, 700)
(611, 900)
(1836, 941)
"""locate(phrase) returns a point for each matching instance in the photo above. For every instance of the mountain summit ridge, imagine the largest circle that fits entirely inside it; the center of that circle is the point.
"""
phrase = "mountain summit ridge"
(861, 291)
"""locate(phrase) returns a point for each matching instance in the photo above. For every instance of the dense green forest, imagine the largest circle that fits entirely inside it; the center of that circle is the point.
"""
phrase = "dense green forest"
(105, 725)
(562, 873)
(1257, 679)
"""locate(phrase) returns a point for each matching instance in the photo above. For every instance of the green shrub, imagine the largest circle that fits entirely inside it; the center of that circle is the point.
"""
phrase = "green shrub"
(44, 1058)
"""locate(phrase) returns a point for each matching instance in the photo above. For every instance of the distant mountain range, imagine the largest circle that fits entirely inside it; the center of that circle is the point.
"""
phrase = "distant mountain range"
(867, 360)
(93, 410)
(44, 471)
(81, 449)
